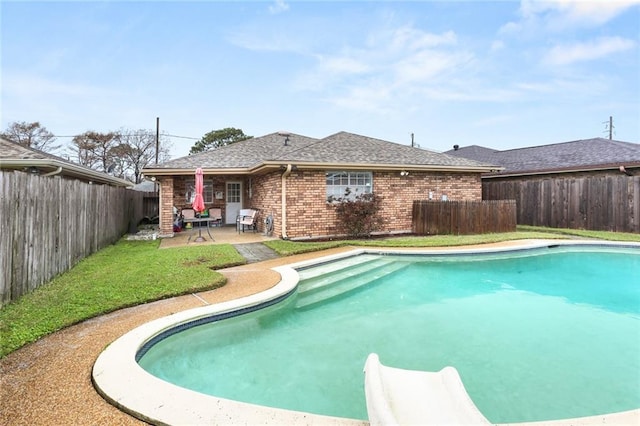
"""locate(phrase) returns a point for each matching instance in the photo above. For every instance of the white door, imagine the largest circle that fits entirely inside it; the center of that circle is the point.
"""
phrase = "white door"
(233, 202)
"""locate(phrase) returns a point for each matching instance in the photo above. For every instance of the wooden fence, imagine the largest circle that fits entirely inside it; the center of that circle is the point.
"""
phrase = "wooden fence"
(150, 205)
(463, 217)
(602, 203)
(49, 224)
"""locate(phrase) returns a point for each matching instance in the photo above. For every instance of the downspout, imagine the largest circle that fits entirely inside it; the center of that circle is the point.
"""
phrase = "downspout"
(53, 173)
(286, 174)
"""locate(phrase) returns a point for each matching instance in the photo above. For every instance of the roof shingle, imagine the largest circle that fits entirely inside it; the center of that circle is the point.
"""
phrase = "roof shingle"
(585, 154)
(342, 147)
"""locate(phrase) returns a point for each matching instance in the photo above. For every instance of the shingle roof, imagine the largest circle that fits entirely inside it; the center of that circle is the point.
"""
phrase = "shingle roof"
(14, 150)
(585, 154)
(340, 148)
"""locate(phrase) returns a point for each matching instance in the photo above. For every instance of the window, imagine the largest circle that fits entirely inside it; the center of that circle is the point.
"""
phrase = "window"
(358, 183)
(207, 191)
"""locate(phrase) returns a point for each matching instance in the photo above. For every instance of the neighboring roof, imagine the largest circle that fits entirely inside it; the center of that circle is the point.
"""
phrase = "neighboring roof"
(341, 150)
(14, 156)
(145, 186)
(580, 155)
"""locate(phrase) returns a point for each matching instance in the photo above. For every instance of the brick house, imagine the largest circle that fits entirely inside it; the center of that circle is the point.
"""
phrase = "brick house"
(290, 178)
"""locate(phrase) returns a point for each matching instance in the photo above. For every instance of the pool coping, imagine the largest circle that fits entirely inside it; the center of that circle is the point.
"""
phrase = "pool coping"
(120, 380)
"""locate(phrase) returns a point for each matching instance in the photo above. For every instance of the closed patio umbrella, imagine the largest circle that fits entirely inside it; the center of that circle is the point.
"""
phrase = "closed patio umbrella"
(198, 201)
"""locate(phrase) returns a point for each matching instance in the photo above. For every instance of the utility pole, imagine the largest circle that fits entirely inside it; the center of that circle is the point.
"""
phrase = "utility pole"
(157, 138)
(609, 126)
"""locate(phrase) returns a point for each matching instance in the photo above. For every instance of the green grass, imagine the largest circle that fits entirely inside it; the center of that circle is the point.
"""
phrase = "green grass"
(600, 235)
(126, 274)
(287, 248)
(130, 273)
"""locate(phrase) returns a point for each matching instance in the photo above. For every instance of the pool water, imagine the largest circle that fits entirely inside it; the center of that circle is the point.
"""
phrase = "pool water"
(545, 334)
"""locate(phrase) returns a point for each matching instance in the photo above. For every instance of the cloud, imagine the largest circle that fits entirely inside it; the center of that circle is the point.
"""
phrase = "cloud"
(344, 65)
(559, 15)
(278, 7)
(580, 52)
(389, 66)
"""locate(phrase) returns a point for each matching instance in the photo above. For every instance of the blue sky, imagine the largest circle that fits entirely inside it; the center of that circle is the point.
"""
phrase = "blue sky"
(501, 74)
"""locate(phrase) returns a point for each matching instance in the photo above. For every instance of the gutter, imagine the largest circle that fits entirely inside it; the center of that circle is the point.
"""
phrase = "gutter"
(270, 165)
(286, 174)
(600, 168)
(53, 173)
(67, 169)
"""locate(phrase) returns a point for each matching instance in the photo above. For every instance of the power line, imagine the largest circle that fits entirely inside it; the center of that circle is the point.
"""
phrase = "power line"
(162, 134)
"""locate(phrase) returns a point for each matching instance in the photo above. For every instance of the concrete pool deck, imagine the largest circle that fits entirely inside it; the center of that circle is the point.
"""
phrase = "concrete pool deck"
(49, 382)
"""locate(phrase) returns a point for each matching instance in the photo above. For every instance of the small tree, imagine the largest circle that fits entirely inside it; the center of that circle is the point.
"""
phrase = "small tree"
(217, 138)
(359, 215)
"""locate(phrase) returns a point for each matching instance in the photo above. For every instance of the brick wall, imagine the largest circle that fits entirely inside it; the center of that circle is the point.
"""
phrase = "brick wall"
(308, 213)
(263, 193)
(166, 208)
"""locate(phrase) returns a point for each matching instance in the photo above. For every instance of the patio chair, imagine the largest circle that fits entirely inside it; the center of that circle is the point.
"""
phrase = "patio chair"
(247, 217)
(186, 215)
(215, 216)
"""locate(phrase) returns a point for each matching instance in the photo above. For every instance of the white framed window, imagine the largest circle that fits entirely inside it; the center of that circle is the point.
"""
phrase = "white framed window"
(207, 191)
(357, 183)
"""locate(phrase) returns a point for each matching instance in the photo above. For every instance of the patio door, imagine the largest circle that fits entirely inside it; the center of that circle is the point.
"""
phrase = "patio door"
(233, 202)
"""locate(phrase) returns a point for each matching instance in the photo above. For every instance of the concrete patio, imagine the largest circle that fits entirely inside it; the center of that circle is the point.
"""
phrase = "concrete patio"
(221, 235)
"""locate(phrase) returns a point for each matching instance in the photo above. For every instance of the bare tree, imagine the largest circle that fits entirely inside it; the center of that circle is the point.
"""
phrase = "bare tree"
(137, 149)
(93, 149)
(32, 135)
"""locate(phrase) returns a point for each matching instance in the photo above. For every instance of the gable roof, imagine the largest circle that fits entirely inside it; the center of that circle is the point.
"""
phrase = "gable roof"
(342, 150)
(579, 155)
(14, 156)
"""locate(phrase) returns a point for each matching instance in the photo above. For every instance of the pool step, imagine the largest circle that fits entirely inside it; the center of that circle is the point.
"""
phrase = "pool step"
(329, 273)
(336, 265)
(335, 284)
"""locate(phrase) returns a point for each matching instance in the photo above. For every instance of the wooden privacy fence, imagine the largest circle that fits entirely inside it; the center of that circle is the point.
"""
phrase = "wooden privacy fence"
(150, 205)
(600, 203)
(49, 224)
(463, 217)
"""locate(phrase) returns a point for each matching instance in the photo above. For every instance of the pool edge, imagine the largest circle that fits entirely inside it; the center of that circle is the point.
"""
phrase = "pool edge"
(121, 381)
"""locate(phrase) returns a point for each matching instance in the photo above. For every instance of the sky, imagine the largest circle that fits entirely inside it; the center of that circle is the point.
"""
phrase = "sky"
(500, 74)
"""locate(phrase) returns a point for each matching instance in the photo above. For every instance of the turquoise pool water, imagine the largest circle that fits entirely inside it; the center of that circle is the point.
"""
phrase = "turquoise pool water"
(549, 334)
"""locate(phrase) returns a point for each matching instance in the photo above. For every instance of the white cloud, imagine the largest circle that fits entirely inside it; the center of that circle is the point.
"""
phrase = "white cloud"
(278, 7)
(390, 66)
(559, 15)
(429, 65)
(497, 45)
(342, 65)
(579, 52)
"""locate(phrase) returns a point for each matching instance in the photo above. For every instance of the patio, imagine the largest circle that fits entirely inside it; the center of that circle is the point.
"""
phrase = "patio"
(221, 235)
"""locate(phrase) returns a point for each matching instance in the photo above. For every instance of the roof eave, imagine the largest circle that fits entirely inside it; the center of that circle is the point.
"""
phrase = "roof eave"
(67, 169)
(271, 165)
(560, 171)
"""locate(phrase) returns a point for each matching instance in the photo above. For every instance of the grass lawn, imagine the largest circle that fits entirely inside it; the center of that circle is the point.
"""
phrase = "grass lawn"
(125, 274)
(130, 273)
(287, 248)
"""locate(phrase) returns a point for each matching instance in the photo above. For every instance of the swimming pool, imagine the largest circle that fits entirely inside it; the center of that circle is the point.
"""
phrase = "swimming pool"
(470, 322)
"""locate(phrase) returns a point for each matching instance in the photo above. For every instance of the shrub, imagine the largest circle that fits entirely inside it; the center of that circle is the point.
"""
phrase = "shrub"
(359, 216)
